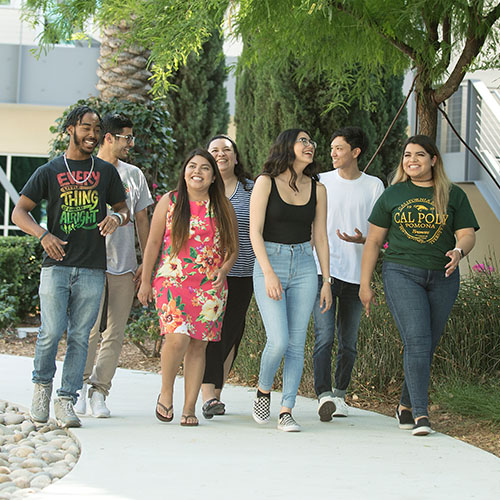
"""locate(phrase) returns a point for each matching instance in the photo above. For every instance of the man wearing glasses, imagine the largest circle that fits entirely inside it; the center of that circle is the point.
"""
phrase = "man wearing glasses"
(351, 195)
(122, 272)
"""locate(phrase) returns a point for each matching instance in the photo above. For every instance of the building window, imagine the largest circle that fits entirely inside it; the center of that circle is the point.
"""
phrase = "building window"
(18, 170)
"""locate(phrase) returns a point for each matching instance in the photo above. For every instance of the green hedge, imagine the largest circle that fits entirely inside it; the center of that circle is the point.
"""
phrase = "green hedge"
(20, 260)
(469, 348)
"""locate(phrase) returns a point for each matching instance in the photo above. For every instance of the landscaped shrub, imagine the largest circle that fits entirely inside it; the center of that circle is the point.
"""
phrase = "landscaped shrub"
(469, 348)
(20, 261)
(143, 326)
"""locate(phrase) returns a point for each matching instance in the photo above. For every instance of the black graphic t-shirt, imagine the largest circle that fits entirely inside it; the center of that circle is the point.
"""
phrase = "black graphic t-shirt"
(75, 208)
(417, 236)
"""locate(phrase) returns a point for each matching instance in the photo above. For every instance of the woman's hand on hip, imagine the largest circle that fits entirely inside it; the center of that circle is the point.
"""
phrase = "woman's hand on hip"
(454, 256)
(273, 286)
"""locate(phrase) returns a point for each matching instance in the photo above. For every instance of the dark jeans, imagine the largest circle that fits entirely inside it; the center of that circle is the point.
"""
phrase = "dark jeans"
(345, 314)
(238, 299)
(420, 301)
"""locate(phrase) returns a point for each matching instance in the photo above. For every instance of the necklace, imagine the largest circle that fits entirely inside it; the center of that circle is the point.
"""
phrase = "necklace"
(71, 174)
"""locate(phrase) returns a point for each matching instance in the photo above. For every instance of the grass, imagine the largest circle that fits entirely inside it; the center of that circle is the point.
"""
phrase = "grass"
(469, 399)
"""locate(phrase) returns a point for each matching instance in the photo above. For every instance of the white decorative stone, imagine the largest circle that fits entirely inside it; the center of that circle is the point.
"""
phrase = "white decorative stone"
(41, 481)
(32, 462)
(58, 471)
(24, 451)
(13, 418)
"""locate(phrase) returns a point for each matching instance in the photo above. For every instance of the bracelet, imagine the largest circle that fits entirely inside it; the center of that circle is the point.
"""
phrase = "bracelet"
(460, 251)
(120, 217)
(43, 235)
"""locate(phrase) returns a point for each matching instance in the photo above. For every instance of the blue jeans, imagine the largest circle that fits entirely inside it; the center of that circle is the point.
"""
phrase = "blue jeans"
(347, 308)
(420, 300)
(286, 320)
(69, 301)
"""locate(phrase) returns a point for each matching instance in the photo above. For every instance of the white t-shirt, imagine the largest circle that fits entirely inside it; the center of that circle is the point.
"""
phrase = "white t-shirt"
(120, 245)
(349, 203)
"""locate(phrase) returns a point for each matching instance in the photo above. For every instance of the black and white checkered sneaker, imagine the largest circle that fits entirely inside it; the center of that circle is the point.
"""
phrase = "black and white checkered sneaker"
(287, 423)
(262, 409)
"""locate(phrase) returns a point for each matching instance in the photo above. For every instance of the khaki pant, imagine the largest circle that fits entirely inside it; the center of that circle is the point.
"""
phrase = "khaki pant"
(120, 290)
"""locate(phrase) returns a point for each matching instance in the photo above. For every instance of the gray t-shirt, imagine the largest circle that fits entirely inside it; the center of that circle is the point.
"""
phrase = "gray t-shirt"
(120, 245)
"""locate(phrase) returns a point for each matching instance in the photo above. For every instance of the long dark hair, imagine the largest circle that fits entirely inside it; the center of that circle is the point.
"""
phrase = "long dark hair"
(281, 157)
(239, 169)
(220, 208)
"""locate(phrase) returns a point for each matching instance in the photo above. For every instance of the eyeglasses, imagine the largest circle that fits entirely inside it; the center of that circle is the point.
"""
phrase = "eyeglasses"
(307, 142)
(129, 138)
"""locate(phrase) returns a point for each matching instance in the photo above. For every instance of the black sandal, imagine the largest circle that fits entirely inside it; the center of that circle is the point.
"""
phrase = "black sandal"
(161, 417)
(213, 407)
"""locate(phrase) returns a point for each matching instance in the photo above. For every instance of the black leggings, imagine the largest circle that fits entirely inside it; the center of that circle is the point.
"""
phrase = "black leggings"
(238, 299)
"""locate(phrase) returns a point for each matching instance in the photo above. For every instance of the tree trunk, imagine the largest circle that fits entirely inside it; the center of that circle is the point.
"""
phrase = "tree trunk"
(426, 105)
(122, 73)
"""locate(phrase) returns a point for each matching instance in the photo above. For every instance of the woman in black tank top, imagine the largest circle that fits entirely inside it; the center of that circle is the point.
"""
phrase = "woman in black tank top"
(287, 218)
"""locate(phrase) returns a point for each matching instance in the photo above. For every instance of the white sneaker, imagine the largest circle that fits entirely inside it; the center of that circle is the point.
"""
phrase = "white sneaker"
(341, 407)
(287, 423)
(326, 408)
(98, 407)
(81, 403)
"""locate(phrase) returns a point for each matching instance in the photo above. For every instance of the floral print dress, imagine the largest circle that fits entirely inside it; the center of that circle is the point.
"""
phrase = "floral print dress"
(185, 299)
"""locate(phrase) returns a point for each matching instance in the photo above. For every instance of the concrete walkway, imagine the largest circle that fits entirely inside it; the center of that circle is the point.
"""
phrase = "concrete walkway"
(365, 456)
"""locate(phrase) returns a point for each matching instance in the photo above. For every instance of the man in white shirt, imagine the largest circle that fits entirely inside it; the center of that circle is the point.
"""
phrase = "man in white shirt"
(351, 196)
(122, 272)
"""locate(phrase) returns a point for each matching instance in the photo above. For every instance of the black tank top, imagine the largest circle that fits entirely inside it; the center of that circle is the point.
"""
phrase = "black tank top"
(285, 223)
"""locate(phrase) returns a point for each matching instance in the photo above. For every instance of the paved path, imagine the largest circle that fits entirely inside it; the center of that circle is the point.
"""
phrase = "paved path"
(365, 456)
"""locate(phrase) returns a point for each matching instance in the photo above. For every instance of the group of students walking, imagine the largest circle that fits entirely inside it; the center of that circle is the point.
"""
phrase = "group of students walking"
(303, 244)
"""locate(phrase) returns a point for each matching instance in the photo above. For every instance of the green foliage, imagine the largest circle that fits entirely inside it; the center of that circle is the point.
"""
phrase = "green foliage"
(20, 261)
(369, 38)
(269, 100)
(152, 128)
(142, 326)
(469, 398)
(469, 349)
(8, 307)
(198, 104)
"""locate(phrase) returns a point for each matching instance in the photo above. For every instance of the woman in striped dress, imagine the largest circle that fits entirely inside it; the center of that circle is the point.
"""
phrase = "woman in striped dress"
(221, 355)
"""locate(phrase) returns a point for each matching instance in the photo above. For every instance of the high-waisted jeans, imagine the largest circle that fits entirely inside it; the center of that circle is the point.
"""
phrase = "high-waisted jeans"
(420, 301)
(286, 320)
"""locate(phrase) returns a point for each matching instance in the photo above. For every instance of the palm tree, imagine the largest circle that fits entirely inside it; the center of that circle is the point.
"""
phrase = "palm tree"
(123, 71)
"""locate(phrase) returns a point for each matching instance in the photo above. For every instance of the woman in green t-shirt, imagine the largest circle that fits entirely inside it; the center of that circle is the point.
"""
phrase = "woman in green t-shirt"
(429, 226)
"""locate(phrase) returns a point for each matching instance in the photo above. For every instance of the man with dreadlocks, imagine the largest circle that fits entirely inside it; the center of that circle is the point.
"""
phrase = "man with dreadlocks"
(77, 186)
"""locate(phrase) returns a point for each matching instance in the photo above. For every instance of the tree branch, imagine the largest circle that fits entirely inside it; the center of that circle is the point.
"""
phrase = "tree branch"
(371, 23)
(446, 43)
(472, 47)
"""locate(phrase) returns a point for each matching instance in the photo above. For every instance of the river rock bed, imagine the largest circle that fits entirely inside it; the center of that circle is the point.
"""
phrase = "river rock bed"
(32, 455)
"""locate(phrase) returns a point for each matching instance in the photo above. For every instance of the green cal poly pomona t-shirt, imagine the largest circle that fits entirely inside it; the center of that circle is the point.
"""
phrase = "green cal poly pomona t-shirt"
(417, 236)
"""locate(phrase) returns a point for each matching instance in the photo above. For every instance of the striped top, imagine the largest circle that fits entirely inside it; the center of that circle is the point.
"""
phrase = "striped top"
(243, 267)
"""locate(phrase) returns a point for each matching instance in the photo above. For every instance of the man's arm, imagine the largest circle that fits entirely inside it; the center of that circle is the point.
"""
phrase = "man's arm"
(22, 218)
(142, 229)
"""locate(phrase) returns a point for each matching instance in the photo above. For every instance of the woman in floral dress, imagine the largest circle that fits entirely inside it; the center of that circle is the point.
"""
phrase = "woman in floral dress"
(197, 226)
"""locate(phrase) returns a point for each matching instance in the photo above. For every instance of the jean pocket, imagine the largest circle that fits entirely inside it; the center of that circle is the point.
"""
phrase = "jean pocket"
(272, 249)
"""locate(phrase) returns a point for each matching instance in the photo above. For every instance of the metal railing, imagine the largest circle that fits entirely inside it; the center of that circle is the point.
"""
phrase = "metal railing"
(475, 112)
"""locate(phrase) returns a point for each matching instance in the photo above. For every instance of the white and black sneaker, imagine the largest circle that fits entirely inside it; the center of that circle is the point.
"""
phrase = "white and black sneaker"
(262, 409)
(405, 419)
(287, 423)
(326, 408)
(422, 427)
(341, 407)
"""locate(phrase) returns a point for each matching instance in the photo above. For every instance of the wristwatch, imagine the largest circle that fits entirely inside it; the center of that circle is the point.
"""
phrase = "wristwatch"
(461, 252)
(328, 280)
